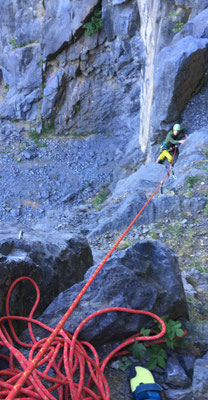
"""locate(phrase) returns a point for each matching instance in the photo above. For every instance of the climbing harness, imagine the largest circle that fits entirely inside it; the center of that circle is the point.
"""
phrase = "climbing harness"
(53, 361)
(163, 146)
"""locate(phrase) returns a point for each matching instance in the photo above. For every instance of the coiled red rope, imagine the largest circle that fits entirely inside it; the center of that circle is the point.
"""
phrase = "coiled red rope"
(60, 357)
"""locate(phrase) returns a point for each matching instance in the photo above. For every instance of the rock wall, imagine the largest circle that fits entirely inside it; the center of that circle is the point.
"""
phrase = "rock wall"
(173, 67)
(53, 73)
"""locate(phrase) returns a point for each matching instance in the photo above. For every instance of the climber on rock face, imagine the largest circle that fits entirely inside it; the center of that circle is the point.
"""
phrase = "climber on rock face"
(169, 143)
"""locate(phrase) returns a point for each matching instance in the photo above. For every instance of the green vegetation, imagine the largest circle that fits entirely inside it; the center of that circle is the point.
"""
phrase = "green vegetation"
(42, 62)
(77, 107)
(124, 244)
(23, 44)
(13, 43)
(173, 14)
(206, 153)
(153, 234)
(34, 135)
(197, 265)
(155, 353)
(189, 193)
(175, 229)
(206, 209)
(82, 134)
(37, 138)
(95, 23)
(178, 27)
(48, 129)
(191, 180)
(101, 197)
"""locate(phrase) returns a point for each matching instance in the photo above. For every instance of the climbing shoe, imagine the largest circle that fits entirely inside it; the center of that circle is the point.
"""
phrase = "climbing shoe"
(142, 384)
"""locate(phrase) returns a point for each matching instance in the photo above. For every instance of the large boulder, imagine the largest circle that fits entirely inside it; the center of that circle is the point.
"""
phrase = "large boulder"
(54, 261)
(136, 279)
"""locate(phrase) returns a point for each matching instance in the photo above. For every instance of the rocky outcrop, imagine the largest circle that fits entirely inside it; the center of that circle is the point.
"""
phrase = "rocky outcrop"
(22, 73)
(61, 76)
(62, 21)
(179, 68)
(191, 161)
(130, 194)
(137, 279)
(52, 73)
(54, 261)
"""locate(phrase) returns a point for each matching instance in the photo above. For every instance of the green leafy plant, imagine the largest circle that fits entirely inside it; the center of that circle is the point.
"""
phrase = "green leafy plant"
(157, 352)
(95, 23)
(138, 350)
(124, 363)
(173, 332)
(158, 356)
(178, 27)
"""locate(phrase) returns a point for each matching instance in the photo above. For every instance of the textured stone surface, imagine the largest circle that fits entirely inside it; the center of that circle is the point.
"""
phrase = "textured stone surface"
(53, 260)
(61, 22)
(93, 83)
(186, 62)
(200, 378)
(21, 71)
(82, 83)
(175, 374)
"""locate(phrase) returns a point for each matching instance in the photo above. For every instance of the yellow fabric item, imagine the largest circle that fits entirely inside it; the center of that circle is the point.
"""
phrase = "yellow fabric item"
(143, 375)
(165, 154)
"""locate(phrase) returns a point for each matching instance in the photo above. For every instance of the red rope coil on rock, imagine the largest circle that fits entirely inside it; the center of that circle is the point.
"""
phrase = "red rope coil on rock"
(64, 359)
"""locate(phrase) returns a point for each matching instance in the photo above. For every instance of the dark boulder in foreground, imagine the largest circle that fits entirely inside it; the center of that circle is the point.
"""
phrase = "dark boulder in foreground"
(146, 276)
(54, 261)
